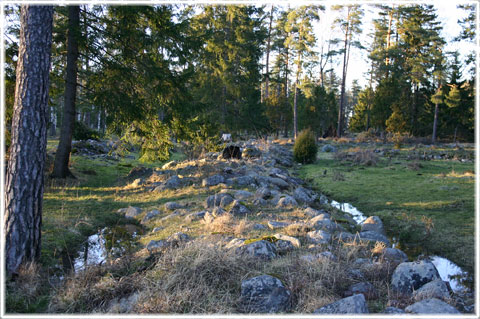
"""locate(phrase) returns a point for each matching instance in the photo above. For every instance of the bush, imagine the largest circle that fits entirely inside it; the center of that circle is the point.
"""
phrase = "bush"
(305, 148)
(81, 132)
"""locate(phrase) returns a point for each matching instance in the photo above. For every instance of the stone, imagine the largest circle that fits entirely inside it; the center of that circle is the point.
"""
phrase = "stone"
(431, 306)
(151, 214)
(304, 196)
(393, 310)
(434, 289)
(345, 237)
(260, 202)
(172, 215)
(365, 288)
(394, 255)
(173, 205)
(283, 246)
(220, 199)
(260, 249)
(169, 165)
(177, 238)
(259, 227)
(213, 180)
(319, 237)
(173, 182)
(246, 180)
(311, 212)
(263, 193)
(353, 304)
(238, 209)
(327, 255)
(280, 183)
(195, 216)
(295, 242)
(287, 201)
(374, 236)
(155, 245)
(132, 212)
(235, 243)
(409, 276)
(320, 222)
(373, 223)
(232, 151)
(328, 148)
(276, 225)
(264, 294)
(242, 195)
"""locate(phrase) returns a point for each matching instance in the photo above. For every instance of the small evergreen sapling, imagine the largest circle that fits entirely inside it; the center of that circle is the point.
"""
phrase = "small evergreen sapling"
(305, 148)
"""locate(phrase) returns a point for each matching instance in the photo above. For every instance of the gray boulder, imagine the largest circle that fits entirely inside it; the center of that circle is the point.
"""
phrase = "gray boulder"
(311, 212)
(178, 238)
(213, 180)
(264, 294)
(295, 242)
(287, 201)
(260, 202)
(132, 212)
(345, 237)
(263, 193)
(373, 223)
(195, 216)
(279, 182)
(246, 180)
(371, 235)
(220, 199)
(173, 205)
(321, 222)
(238, 209)
(242, 195)
(283, 246)
(151, 214)
(433, 289)
(155, 245)
(409, 276)
(432, 306)
(394, 255)
(353, 304)
(173, 182)
(319, 237)
(304, 196)
(260, 249)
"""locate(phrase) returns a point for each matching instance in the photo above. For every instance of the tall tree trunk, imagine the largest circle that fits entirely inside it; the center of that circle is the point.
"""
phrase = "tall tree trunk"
(342, 90)
(435, 119)
(267, 75)
(62, 157)
(389, 32)
(24, 180)
(295, 88)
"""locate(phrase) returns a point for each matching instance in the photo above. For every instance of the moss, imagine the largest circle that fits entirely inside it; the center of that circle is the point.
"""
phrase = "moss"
(271, 239)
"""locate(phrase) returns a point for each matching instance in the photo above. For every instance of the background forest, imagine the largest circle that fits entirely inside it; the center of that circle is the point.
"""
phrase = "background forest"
(193, 72)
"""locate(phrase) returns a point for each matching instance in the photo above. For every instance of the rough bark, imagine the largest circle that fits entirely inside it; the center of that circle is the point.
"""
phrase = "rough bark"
(435, 119)
(342, 90)
(62, 157)
(24, 181)
(267, 75)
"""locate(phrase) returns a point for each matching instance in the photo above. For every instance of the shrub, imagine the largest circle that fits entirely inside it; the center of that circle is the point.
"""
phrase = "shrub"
(82, 132)
(305, 148)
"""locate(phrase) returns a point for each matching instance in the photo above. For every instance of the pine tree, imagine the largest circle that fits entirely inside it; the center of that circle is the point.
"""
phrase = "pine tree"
(350, 25)
(24, 181)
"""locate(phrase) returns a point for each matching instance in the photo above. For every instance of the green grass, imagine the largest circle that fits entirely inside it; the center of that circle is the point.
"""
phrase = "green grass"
(431, 210)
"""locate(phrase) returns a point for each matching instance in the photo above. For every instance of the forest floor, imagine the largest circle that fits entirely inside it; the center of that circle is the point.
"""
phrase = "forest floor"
(424, 195)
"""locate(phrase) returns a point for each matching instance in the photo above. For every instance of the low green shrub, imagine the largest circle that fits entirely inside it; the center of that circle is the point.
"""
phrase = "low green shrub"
(305, 148)
(82, 132)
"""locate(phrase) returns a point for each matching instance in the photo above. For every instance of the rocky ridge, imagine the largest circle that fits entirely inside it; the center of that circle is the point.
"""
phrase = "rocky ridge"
(261, 190)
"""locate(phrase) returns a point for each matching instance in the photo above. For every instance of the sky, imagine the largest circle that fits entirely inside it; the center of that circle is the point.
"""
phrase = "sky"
(448, 15)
